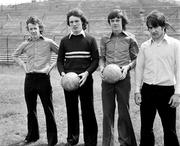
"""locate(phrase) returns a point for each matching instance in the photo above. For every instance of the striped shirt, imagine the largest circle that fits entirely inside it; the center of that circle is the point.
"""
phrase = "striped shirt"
(78, 53)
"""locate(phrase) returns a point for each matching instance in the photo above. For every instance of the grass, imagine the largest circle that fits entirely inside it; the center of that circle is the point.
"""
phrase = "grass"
(13, 112)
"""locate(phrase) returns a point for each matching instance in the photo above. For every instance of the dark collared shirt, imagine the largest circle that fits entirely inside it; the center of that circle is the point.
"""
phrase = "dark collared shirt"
(120, 50)
(38, 54)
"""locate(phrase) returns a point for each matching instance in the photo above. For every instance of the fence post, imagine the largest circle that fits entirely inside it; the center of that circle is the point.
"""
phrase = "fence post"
(7, 49)
(20, 27)
(89, 27)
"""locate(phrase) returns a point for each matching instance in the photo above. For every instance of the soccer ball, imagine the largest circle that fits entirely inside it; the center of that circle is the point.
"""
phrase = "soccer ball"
(70, 81)
(112, 73)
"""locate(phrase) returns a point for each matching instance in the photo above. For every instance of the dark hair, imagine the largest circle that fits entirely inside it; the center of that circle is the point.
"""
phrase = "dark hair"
(155, 19)
(35, 20)
(78, 13)
(119, 14)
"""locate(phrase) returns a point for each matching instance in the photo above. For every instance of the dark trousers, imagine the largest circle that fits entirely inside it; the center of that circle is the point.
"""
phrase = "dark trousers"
(111, 93)
(155, 98)
(85, 95)
(39, 84)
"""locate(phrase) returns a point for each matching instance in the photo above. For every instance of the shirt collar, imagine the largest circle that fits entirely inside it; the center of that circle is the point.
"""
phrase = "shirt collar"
(165, 38)
(121, 33)
(81, 33)
(40, 37)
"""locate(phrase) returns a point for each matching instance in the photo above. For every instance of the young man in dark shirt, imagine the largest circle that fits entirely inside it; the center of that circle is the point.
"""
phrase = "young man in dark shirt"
(118, 47)
(78, 53)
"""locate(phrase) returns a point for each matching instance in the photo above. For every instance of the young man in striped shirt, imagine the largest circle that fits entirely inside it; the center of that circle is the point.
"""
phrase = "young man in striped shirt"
(78, 53)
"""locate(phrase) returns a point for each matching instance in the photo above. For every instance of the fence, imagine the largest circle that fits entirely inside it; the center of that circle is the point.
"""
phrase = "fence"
(10, 43)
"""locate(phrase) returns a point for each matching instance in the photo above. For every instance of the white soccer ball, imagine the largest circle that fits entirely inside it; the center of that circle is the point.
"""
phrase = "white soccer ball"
(70, 81)
(112, 73)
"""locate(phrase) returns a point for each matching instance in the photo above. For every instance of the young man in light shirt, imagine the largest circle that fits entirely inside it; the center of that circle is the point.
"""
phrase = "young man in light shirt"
(157, 81)
(78, 53)
(38, 50)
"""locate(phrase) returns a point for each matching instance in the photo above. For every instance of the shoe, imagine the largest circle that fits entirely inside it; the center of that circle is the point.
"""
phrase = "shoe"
(26, 142)
(51, 144)
(70, 144)
(67, 144)
(72, 141)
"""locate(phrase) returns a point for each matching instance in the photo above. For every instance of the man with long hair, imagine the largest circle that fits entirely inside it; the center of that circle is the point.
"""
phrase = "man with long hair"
(157, 87)
(78, 53)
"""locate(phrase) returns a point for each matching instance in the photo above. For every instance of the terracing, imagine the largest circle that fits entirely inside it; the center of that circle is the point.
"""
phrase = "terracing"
(53, 14)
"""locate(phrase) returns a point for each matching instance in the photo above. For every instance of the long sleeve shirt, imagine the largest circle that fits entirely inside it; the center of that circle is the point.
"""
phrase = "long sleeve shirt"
(159, 64)
(38, 54)
(120, 50)
(78, 53)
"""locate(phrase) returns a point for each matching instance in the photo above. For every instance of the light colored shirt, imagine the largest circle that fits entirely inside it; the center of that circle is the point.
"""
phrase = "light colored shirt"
(38, 54)
(158, 64)
(120, 50)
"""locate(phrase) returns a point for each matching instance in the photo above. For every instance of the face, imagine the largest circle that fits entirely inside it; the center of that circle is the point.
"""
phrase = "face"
(116, 24)
(34, 30)
(157, 33)
(75, 24)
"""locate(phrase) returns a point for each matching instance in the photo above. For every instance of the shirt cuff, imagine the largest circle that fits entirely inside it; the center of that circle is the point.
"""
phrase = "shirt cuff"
(137, 90)
(177, 90)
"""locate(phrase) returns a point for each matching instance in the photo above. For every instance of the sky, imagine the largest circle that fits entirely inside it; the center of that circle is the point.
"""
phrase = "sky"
(13, 2)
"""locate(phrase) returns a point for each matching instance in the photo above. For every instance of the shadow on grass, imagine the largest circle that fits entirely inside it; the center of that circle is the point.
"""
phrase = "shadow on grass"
(31, 144)
(63, 144)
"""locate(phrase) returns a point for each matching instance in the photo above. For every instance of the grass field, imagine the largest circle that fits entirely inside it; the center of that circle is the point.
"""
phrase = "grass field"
(13, 110)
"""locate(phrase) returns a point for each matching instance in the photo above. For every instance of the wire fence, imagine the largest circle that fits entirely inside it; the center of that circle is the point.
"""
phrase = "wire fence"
(11, 42)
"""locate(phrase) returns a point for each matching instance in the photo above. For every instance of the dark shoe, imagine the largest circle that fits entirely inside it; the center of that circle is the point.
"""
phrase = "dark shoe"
(67, 144)
(72, 143)
(52, 144)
